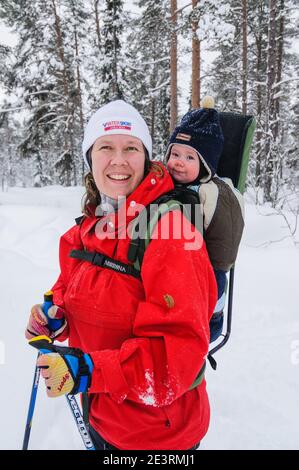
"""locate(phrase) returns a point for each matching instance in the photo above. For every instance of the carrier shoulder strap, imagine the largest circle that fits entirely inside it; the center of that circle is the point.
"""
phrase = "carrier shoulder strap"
(182, 199)
(143, 228)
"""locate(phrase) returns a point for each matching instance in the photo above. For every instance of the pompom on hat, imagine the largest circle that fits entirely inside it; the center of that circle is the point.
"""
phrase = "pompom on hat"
(116, 117)
(200, 129)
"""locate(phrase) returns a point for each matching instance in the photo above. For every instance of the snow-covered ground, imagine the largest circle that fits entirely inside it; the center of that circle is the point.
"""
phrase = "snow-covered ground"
(253, 393)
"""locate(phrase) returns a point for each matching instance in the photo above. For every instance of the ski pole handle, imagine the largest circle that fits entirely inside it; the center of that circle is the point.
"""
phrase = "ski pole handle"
(48, 302)
(53, 323)
(44, 345)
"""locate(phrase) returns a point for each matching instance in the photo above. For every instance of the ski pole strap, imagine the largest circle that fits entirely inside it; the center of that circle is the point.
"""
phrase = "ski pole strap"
(200, 377)
(98, 259)
(85, 407)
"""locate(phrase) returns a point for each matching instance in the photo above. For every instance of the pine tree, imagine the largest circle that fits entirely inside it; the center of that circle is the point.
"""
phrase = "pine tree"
(5, 52)
(284, 121)
(9, 163)
(73, 56)
(244, 55)
(173, 66)
(218, 29)
(150, 55)
(48, 71)
(257, 57)
(195, 81)
(96, 16)
(270, 64)
(271, 117)
(76, 31)
(28, 73)
(111, 71)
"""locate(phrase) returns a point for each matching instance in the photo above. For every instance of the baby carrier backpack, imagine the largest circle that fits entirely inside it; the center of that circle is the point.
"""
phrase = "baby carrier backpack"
(238, 131)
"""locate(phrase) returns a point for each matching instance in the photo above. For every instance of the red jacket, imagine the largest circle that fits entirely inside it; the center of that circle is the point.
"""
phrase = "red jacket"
(148, 339)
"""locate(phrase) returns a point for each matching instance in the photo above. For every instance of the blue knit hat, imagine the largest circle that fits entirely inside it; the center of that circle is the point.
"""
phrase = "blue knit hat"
(201, 130)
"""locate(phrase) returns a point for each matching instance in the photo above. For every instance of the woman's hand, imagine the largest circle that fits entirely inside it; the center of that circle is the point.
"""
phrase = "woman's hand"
(52, 325)
(65, 370)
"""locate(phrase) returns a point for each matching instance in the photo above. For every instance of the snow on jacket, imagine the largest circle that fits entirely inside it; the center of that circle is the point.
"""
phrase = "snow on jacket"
(148, 338)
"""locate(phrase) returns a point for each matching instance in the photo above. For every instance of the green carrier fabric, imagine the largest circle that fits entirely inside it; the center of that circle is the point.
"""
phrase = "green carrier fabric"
(238, 131)
(180, 198)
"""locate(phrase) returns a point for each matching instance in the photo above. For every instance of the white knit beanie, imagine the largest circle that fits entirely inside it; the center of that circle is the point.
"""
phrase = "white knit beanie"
(116, 117)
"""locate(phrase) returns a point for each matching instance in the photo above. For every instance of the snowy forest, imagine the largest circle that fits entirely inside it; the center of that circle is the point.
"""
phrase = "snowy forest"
(163, 56)
(60, 60)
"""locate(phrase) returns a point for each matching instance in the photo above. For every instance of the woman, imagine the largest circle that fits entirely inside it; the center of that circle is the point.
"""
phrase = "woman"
(140, 341)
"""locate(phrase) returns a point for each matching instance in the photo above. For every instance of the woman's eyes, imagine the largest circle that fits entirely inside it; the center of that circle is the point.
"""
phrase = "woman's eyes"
(127, 149)
(132, 149)
(105, 147)
(190, 157)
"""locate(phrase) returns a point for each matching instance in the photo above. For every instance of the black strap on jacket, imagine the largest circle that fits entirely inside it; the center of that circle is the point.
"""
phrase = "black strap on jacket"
(98, 259)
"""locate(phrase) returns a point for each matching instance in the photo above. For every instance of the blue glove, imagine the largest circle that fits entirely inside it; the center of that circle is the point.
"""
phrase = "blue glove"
(65, 370)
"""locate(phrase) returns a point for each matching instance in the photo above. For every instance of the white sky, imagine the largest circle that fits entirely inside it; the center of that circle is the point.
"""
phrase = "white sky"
(6, 37)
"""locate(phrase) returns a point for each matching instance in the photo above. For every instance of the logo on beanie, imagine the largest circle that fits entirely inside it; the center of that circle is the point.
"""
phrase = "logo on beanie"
(111, 125)
(185, 137)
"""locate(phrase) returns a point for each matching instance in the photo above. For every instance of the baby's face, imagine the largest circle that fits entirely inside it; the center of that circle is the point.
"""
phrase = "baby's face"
(183, 163)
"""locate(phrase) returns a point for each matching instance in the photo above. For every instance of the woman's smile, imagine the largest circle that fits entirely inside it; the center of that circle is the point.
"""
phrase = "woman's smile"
(118, 178)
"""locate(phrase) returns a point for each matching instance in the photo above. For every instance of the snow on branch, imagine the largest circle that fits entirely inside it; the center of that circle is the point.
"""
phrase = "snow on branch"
(7, 110)
(179, 10)
(162, 85)
(162, 59)
(284, 81)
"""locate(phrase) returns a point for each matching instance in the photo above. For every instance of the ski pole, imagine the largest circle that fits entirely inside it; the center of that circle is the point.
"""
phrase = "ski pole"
(48, 302)
(80, 422)
(45, 343)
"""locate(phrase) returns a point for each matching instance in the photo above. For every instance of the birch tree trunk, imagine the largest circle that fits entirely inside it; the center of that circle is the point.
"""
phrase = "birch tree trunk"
(68, 113)
(244, 58)
(280, 40)
(258, 106)
(173, 67)
(271, 106)
(115, 85)
(195, 98)
(78, 73)
(97, 21)
(260, 89)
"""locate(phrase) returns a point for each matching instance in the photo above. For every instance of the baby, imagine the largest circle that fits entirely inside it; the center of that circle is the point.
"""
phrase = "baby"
(192, 158)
